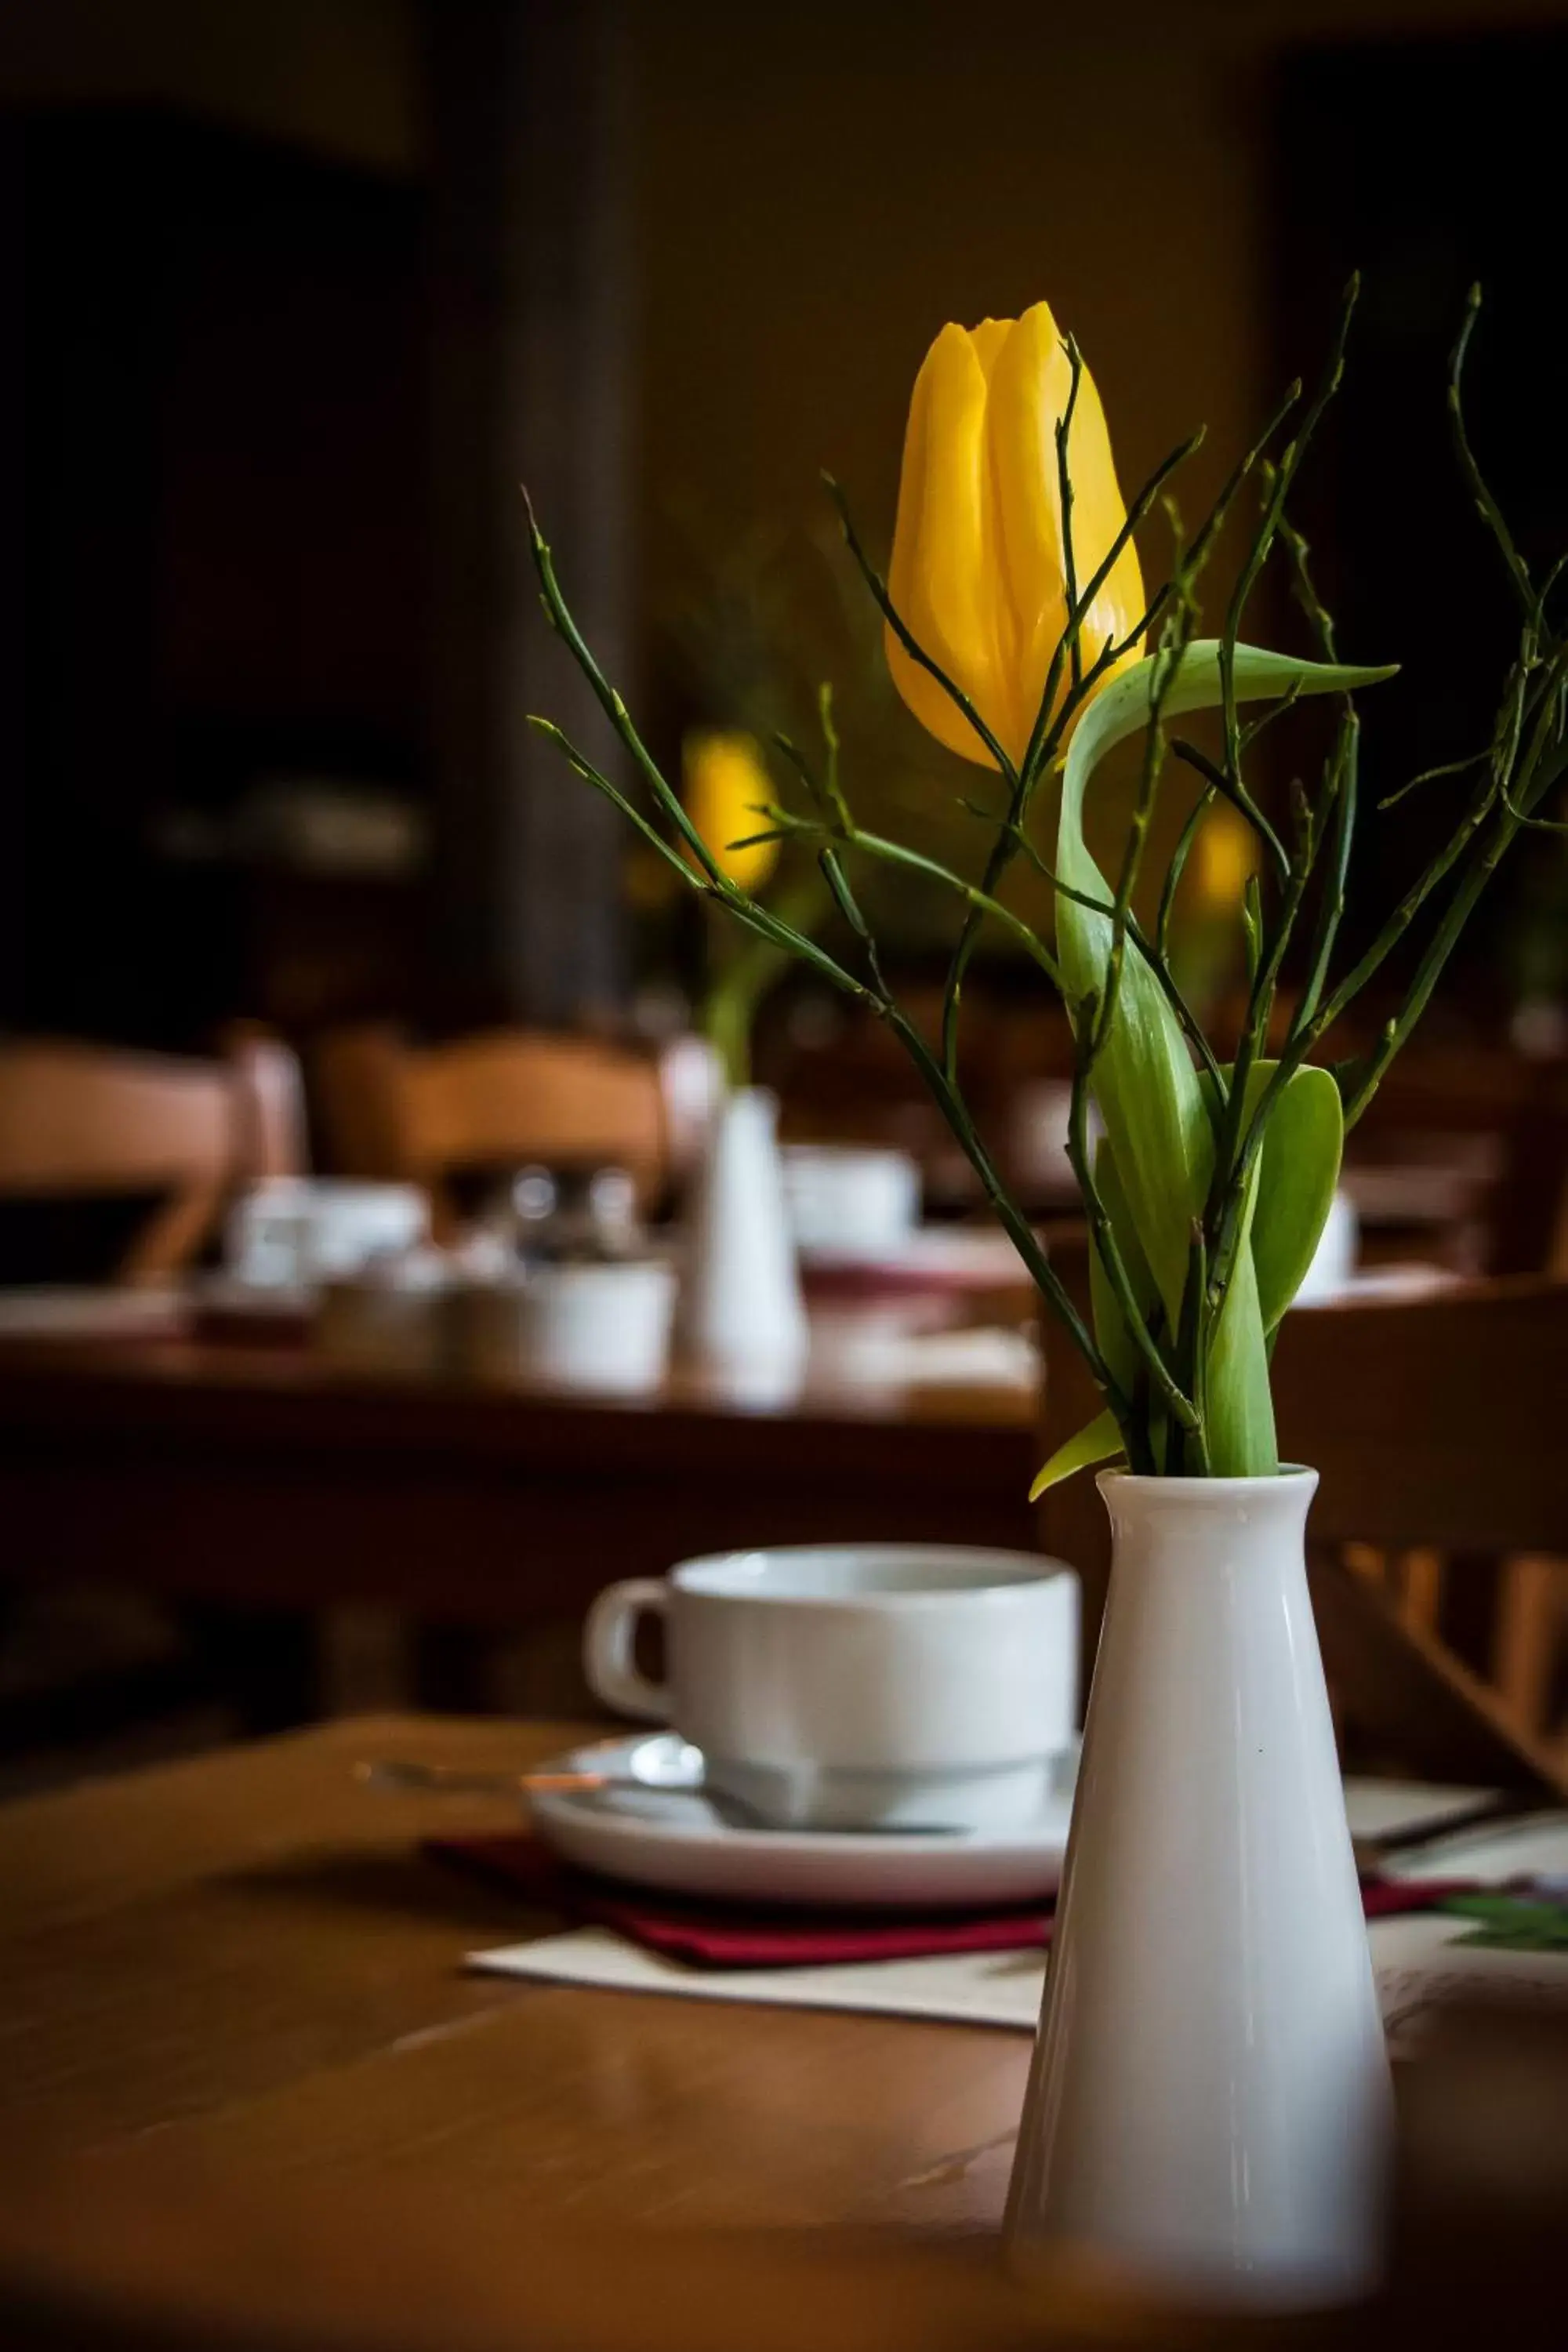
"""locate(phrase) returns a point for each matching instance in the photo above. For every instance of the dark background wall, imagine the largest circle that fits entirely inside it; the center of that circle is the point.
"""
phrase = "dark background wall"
(227, 478)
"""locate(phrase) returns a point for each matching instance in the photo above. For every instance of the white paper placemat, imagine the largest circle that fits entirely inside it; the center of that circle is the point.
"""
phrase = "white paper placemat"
(1418, 1960)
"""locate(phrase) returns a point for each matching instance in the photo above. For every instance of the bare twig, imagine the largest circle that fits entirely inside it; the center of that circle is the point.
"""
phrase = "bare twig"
(911, 646)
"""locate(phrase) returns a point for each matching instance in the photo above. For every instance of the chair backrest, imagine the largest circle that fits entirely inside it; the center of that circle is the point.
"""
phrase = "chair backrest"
(78, 1119)
(1514, 1112)
(1433, 1425)
(496, 1100)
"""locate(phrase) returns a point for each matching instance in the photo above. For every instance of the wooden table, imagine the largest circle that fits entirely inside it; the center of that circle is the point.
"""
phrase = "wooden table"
(264, 1474)
(244, 2073)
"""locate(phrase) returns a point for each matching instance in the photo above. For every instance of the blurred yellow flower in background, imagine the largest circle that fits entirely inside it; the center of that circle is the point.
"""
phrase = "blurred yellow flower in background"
(978, 572)
(1223, 860)
(724, 784)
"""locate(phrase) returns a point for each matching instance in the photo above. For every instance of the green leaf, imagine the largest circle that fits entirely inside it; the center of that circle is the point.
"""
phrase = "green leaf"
(1511, 1923)
(1098, 1442)
(1298, 1171)
(1238, 1405)
(1112, 1337)
(1144, 1082)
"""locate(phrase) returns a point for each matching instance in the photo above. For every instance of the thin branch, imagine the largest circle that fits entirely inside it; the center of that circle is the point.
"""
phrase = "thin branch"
(583, 766)
(609, 701)
(1263, 539)
(906, 637)
(1064, 497)
(893, 852)
(1214, 521)
(1177, 867)
(1279, 481)
(1320, 620)
(1273, 710)
(1219, 780)
(1432, 775)
(1191, 1348)
(836, 800)
(1025, 1240)
(1331, 913)
(1486, 504)
(1540, 775)
(1039, 754)
(1152, 954)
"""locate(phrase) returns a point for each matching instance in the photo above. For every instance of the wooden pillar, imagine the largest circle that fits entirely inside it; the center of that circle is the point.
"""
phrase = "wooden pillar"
(529, 312)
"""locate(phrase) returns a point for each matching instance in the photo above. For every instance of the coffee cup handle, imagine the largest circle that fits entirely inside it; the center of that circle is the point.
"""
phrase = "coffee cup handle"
(609, 1634)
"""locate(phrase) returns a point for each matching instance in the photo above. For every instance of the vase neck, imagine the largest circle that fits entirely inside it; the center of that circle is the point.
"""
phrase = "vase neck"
(754, 1108)
(1199, 1521)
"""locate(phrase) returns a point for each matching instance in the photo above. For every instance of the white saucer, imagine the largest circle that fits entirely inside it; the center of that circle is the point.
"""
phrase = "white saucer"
(666, 1833)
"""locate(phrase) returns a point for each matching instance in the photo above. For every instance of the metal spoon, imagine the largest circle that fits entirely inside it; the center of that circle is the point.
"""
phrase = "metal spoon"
(403, 1773)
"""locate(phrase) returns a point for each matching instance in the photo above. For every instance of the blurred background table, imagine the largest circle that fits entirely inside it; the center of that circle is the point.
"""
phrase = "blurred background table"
(260, 1473)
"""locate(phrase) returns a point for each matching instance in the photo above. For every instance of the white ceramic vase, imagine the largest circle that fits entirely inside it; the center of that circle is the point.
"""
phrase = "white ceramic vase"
(1208, 2111)
(741, 1313)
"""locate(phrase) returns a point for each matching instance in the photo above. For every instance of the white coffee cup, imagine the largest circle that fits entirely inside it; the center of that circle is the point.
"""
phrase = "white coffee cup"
(843, 1197)
(859, 1686)
(291, 1232)
(1335, 1260)
(596, 1326)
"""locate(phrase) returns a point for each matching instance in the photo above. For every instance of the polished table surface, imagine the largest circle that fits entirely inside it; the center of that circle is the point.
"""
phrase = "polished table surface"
(264, 1473)
(235, 2018)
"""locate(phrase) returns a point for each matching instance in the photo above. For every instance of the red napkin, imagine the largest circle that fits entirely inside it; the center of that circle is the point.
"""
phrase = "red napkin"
(729, 1935)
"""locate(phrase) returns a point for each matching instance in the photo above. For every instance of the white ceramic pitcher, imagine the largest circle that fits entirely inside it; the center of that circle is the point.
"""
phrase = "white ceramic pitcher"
(741, 1312)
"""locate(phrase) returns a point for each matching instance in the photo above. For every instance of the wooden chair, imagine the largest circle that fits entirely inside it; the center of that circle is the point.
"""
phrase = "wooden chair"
(78, 1119)
(1435, 1429)
(1508, 1118)
(495, 1101)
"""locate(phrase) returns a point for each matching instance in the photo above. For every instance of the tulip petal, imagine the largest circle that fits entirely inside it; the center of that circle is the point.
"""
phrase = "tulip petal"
(1030, 387)
(940, 574)
(1099, 512)
(989, 339)
(1027, 394)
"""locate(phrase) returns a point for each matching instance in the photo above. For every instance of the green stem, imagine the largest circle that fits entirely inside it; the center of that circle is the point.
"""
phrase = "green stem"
(1064, 495)
(1487, 505)
(1102, 1233)
(1332, 912)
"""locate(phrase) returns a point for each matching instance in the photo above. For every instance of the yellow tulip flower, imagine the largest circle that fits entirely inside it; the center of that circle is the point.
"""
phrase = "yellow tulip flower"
(978, 574)
(724, 782)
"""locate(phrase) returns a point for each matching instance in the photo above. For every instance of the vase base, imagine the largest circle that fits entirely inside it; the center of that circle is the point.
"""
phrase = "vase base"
(1128, 2280)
